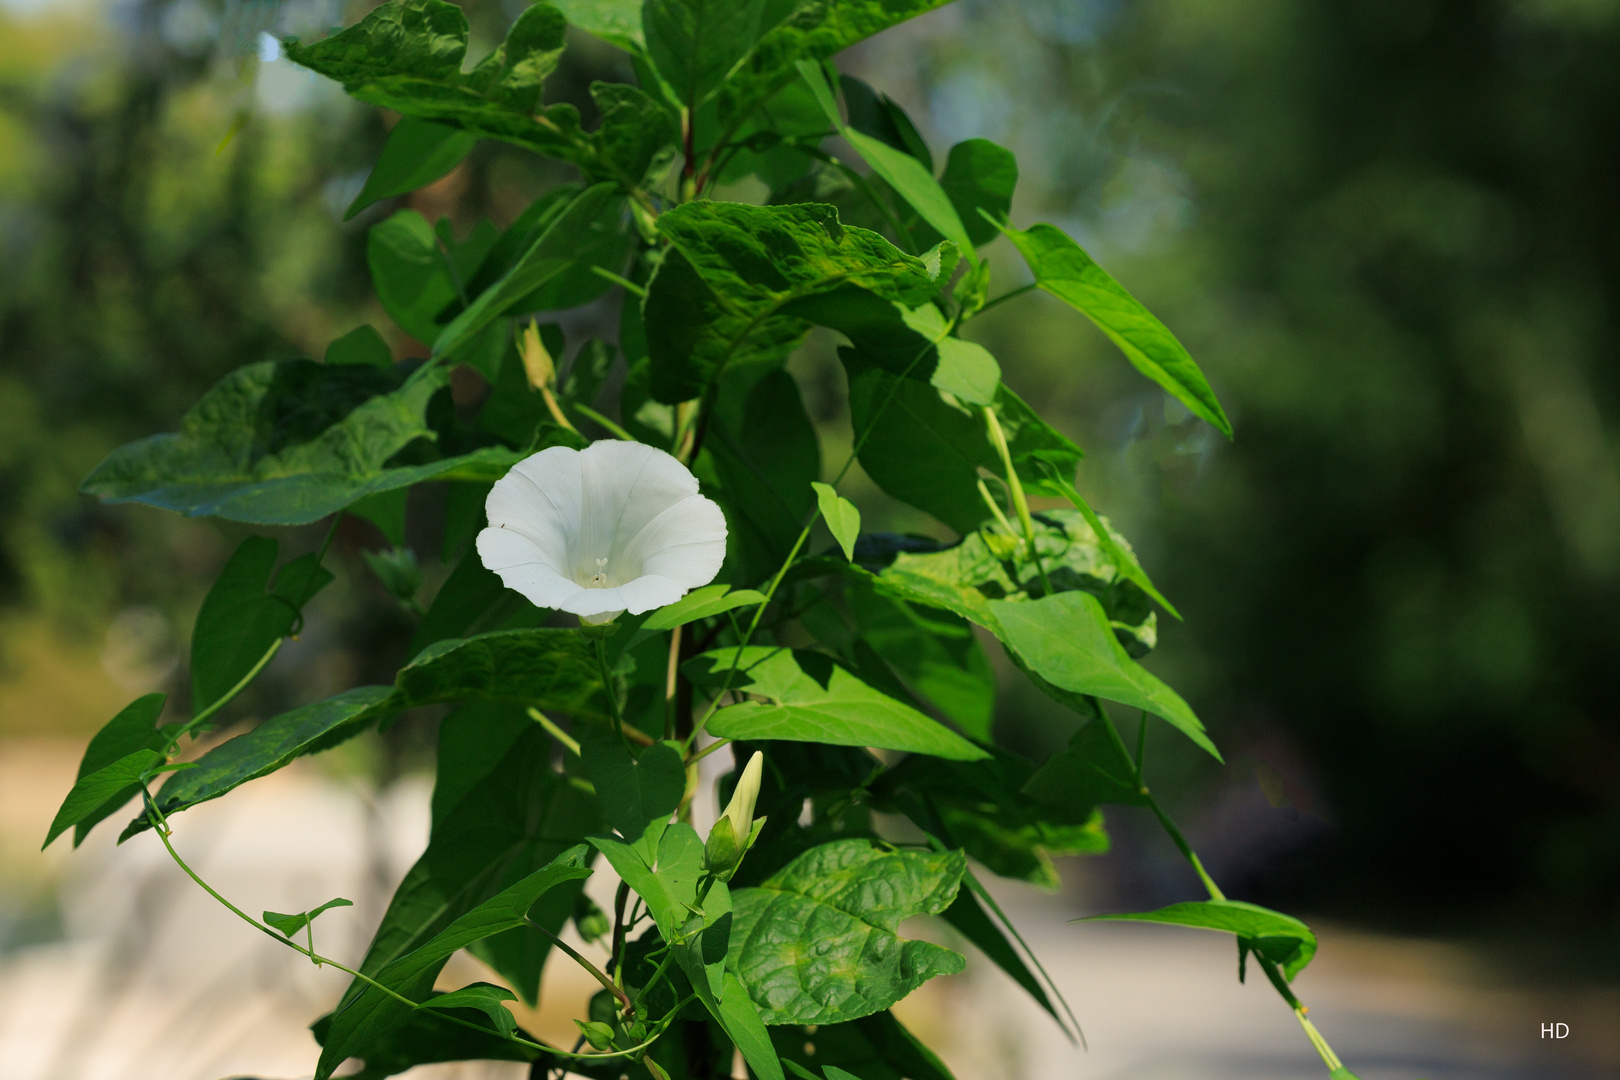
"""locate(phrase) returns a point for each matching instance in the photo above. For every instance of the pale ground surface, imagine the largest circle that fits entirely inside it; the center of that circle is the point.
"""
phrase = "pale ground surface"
(149, 979)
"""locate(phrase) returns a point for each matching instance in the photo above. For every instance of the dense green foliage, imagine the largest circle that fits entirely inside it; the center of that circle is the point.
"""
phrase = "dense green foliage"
(1395, 579)
(849, 678)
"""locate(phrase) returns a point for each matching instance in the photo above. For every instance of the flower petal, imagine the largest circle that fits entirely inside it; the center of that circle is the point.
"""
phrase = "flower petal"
(541, 498)
(686, 543)
(525, 567)
(643, 594)
(625, 486)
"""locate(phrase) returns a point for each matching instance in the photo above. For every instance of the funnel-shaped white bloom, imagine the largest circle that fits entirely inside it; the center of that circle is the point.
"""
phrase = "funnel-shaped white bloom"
(615, 527)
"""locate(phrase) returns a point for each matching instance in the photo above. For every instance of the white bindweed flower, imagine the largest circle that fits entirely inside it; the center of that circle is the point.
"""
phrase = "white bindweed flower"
(615, 527)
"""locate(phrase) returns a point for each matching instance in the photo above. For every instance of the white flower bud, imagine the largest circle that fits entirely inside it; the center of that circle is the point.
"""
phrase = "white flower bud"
(731, 836)
(537, 362)
(740, 810)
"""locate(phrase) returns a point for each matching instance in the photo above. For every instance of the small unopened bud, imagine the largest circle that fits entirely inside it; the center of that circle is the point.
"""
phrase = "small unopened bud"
(598, 1034)
(1001, 545)
(736, 830)
(537, 363)
(740, 810)
(720, 855)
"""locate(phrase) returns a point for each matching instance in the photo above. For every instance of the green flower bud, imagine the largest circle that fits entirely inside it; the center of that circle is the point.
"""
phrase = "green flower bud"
(735, 831)
(598, 1034)
(720, 854)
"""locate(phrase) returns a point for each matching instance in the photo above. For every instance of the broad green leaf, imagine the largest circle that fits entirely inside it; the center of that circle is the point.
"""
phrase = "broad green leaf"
(760, 457)
(243, 616)
(420, 272)
(964, 577)
(811, 31)
(362, 346)
(589, 229)
(473, 741)
(719, 305)
(588, 371)
(485, 997)
(811, 698)
(780, 145)
(927, 450)
(934, 653)
(633, 791)
(407, 54)
(500, 813)
(1123, 557)
(1067, 640)
(617, 22)
(695, 43)
(291, 924)
(134, 728)
(1062, 268)
(967, 370)
(910, 178)
(370, 1014)
(396, 569)
(977, 806)
(287, 444)
(427, 1038)
(272, 745)
(386, 510)
(816, 943)
(1091, 771)
(914, 342)
(1020, 846)
(742, 1019)
(417, 153)
(94, 790)
(463, 518)
(876, 1047)
(842, 518)
(637, 132)
(702, 603)
(700, 934)
(424, 37)
(979, 179)
(877, 115)
(961, 368)
(544, 668)
(670, 892)
(920, 449)
(472, 599)
(1280, 938)
(518, 237)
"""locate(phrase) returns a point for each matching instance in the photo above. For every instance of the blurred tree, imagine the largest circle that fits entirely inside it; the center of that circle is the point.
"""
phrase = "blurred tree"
(1388, 231)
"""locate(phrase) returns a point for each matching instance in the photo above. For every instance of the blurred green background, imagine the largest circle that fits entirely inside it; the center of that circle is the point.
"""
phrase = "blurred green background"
(1387, 229)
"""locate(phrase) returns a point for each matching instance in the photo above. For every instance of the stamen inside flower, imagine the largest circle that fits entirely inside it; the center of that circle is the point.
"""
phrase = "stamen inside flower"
(599, 579)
